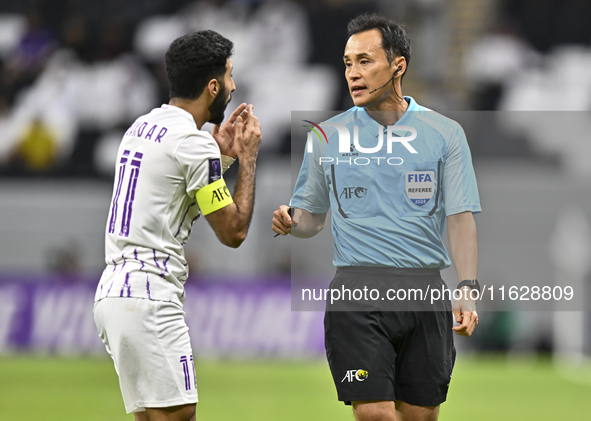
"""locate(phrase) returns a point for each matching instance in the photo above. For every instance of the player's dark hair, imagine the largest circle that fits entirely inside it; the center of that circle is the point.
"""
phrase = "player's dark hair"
(395, 41)
(193, 60)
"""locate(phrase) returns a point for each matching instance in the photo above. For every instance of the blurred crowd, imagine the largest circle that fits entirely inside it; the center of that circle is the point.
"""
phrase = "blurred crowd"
(74, 74)
(536, 56)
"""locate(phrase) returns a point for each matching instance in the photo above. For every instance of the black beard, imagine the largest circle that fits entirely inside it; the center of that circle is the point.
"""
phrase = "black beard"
(218, 106)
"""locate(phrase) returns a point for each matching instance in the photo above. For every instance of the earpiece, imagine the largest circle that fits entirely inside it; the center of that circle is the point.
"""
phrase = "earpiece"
(392, 77)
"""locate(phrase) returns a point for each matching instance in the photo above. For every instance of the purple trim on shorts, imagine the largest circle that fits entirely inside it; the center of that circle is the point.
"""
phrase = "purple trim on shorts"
(186, 371)
(194, 375)
(184, 216)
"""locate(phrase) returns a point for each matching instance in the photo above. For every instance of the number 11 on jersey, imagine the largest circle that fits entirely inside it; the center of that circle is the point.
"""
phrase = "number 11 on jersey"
(130, 192)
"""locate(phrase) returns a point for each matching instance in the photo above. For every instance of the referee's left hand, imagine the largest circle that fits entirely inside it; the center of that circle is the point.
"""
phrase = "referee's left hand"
(464, 310)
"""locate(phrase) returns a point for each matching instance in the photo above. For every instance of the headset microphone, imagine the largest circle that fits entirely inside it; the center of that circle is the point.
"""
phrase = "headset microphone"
(394, 74)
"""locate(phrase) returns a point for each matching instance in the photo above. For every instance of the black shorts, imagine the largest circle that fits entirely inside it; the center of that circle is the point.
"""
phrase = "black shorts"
(378, 354)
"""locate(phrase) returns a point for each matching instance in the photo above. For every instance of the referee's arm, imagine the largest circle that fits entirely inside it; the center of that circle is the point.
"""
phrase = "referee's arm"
(286, 219)
(461, 229)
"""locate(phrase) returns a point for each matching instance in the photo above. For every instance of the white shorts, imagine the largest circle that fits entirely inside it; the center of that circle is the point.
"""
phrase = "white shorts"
(150, 345)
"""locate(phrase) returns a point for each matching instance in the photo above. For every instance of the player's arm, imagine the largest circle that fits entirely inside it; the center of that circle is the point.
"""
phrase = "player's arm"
(230, 222)
(303, 224)
(461, 229)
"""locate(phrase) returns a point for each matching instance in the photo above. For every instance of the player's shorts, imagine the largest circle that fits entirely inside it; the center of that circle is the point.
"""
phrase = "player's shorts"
(380, 354)
(150, 345)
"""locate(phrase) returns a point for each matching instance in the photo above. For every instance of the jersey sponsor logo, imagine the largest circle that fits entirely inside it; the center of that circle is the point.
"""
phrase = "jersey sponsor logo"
(353, 192)
(360, 375)
(215, 170)
(420, 186)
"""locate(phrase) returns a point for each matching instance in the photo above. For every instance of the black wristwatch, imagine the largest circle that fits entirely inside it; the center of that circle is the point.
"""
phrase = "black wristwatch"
(472, 283)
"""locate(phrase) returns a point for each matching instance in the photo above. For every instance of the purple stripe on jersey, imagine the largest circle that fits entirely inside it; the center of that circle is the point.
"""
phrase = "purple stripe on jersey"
(109, 290)
(116, 198)
(190, 229)
(167, 259)
(136, 258)
(128, 206)
(138, 155)
(136, 163)
(126, 285)
(114, 264)
(156, 259)
(148, 285)
(184, 216)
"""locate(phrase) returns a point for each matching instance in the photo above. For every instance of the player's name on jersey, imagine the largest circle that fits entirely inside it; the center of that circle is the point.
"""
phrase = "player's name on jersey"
(140, 129)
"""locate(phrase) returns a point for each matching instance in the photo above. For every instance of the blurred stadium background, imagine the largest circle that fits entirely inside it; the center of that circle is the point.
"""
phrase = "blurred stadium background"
(74, 74)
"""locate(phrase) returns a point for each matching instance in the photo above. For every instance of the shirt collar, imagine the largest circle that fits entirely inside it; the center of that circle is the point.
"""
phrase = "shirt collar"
(178, 109)
(372, 126)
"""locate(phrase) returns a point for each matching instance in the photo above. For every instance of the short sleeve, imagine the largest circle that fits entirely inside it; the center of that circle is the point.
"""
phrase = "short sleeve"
(199, 160)
(311, 189)
(460, 190)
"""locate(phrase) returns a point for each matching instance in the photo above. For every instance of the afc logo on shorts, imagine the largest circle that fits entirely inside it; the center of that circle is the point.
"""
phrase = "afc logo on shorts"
(420, 186)
(359, 375)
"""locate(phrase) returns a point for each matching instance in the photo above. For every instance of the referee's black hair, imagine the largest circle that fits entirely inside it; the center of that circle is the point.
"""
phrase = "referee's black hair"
(193, 60)
(395, 41)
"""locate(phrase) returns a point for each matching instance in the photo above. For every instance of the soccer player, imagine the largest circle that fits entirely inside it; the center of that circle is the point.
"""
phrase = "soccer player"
(168, 174)
(389, 211)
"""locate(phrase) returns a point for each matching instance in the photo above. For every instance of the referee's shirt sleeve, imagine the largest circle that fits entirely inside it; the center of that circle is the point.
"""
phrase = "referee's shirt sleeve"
(311, 189)
(197, 156)
(459, 182)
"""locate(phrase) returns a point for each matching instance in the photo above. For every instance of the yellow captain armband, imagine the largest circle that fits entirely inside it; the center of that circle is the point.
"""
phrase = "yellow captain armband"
(213, 197)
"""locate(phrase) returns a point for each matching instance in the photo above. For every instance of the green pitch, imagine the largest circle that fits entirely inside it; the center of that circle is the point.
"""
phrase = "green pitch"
(485, 388)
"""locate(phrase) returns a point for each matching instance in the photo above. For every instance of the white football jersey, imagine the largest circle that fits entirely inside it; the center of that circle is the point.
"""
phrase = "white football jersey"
(163, 160)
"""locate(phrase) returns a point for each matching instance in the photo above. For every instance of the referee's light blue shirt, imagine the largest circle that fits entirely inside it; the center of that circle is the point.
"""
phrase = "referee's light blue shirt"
(389, 209)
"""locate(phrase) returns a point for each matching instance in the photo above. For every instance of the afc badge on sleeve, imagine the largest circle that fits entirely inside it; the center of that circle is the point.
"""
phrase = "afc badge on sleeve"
(420, 186)
(215, 170)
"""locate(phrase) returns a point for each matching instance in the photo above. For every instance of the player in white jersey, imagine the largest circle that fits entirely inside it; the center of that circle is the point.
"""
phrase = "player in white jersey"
(168, 174)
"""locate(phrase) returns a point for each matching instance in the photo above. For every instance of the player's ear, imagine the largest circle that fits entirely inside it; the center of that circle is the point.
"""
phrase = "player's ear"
(213, 87)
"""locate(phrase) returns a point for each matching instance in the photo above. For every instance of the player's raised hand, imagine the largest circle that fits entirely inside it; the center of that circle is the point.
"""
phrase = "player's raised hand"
(282, 220)
(464, 310)
(247, 134)
(224, 135)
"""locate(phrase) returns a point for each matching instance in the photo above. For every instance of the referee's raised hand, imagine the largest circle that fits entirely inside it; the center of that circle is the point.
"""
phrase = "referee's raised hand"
(465, 313)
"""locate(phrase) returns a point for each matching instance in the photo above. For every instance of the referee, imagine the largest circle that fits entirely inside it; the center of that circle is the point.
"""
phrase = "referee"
(389, 206)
